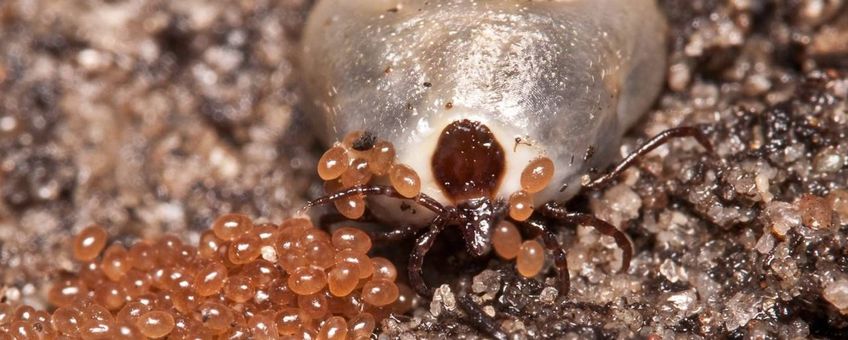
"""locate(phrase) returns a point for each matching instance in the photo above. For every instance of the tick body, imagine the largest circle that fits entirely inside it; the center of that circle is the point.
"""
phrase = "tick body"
(547, 78)
(494, 109)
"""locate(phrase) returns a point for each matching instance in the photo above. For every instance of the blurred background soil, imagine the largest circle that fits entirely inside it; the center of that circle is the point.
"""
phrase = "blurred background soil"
(156, 116)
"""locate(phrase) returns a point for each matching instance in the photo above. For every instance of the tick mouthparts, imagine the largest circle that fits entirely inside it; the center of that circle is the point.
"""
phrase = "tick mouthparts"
(477, 219)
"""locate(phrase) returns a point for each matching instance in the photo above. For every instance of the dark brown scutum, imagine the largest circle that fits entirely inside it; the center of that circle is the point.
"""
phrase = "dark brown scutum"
(468, 162)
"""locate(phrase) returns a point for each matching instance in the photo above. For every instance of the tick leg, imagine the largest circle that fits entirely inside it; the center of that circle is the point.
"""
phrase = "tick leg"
(416, 258)
(559, 213)
(653, 143)
(551, 242)
(480, 319)
(331, 218)
(375, 190)
(400, 233)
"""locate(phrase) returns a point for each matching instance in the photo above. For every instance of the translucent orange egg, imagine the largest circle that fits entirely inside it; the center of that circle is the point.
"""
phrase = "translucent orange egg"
(307, 280)
(261, 272)
(188, 328)
(64, 291)
(379, 292)
(279, 292)
(95, 329)
(357, 173)
(291, 260)
(216, 317)
(44, 330)
(296, 224)
(362, 262)
(125, 331)
(186, 255)
(94, 311)
(289, 320)
(312, 235)
(89, 242)
(383, 269)
(110, 295)
(405, 180)
(159, 277)
(230, 226)
(155, 324)
(115, 262)
(186, 301)
(319, 254)
(343, 278)
(208, 245)
(6, 313)
(506, 240)
(350, 305)
(91, 274)
(239, 288)
(135, 283)
(131, 312)
(362, 326)
(179, 278)
(407, 299)
(314, 306)
(288, 239)
(334, 328)
(164, 300)
(537, 175)
(167, 249)
(530, 259)
(244, 248)
(332, 187)
(267, 233)
(381, 158)
(520, 206)
(351, 238)
(21, 330)
(333, 163)
(141, 257)
(23, 313)
(352, 207)
(262, 327)
(67, 320)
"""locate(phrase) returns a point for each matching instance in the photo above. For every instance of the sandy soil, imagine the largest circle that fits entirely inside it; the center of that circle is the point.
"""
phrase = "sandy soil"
(156, 116)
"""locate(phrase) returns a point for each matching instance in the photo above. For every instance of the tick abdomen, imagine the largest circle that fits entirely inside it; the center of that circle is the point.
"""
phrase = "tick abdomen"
(549, 78)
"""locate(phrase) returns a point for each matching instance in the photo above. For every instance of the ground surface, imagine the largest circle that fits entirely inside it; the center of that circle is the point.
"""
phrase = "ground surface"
(156, 116)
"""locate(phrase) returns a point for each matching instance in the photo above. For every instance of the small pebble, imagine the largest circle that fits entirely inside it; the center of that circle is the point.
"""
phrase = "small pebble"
(837, 294)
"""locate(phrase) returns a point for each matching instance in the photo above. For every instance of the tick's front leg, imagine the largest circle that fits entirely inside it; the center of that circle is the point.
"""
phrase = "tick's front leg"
(644, 149)
(416, 258)
(553, 211)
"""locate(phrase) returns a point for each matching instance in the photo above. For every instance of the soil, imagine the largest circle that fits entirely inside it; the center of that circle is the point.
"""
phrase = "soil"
(157, 116)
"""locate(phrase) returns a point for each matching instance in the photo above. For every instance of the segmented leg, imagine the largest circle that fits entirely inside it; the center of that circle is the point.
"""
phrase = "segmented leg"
(331, 218)
(375, 190)
(480, 319)
(650, 145)
(551, 242)
(400, 233)
(416, 258)
(551, 210)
